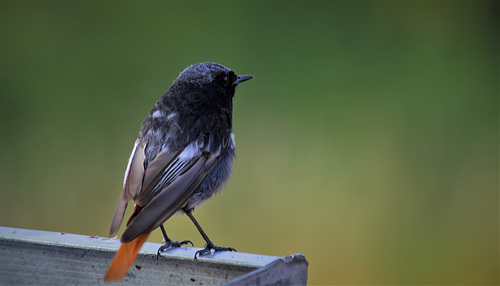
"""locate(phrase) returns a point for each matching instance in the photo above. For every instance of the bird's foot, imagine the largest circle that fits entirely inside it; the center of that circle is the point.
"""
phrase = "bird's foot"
(172, 244)
(209, 247)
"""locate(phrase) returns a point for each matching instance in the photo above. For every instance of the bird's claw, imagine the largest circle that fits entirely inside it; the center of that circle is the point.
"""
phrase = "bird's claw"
(209, 247)
(172, 244)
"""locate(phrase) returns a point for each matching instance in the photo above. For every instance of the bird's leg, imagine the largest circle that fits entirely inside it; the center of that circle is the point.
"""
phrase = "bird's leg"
(170, 243)
(209, 245)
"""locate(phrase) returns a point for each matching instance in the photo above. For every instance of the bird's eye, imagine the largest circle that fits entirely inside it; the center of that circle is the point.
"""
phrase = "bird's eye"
(225, 81)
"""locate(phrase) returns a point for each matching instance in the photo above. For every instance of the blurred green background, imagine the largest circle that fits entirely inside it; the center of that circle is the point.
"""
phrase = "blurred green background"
(367, 141)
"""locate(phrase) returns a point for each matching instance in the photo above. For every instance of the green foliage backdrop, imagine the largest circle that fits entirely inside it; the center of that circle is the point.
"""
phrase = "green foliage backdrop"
(367, 141)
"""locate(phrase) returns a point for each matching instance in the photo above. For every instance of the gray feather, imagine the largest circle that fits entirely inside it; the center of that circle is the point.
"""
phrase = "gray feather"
(176, 177)
(132, 184)
(165, 204)
(153, 173)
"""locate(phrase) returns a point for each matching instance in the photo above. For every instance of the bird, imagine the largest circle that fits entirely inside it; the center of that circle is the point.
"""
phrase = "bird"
(182, 157)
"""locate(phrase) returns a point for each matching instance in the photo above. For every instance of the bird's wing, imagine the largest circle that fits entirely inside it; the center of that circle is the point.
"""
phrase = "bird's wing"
(169, 181)
(132, 184)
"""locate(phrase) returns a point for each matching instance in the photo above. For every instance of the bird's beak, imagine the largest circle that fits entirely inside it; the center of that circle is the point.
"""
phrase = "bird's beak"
(242, 78)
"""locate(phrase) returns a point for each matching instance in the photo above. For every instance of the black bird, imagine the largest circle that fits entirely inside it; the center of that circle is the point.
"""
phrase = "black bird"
(182, 157)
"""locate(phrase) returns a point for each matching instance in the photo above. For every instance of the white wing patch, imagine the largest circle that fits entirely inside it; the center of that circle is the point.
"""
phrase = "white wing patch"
(157, 114)
(178, 165)
(171, 115)
(233, 140)
(130, 161)
(191, 150)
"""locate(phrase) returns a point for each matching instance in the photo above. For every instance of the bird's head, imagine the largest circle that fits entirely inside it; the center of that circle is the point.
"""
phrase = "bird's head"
(210, 77)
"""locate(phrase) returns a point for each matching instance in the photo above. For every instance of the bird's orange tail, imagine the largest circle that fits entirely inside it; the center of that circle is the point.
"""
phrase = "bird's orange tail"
(124, 258)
